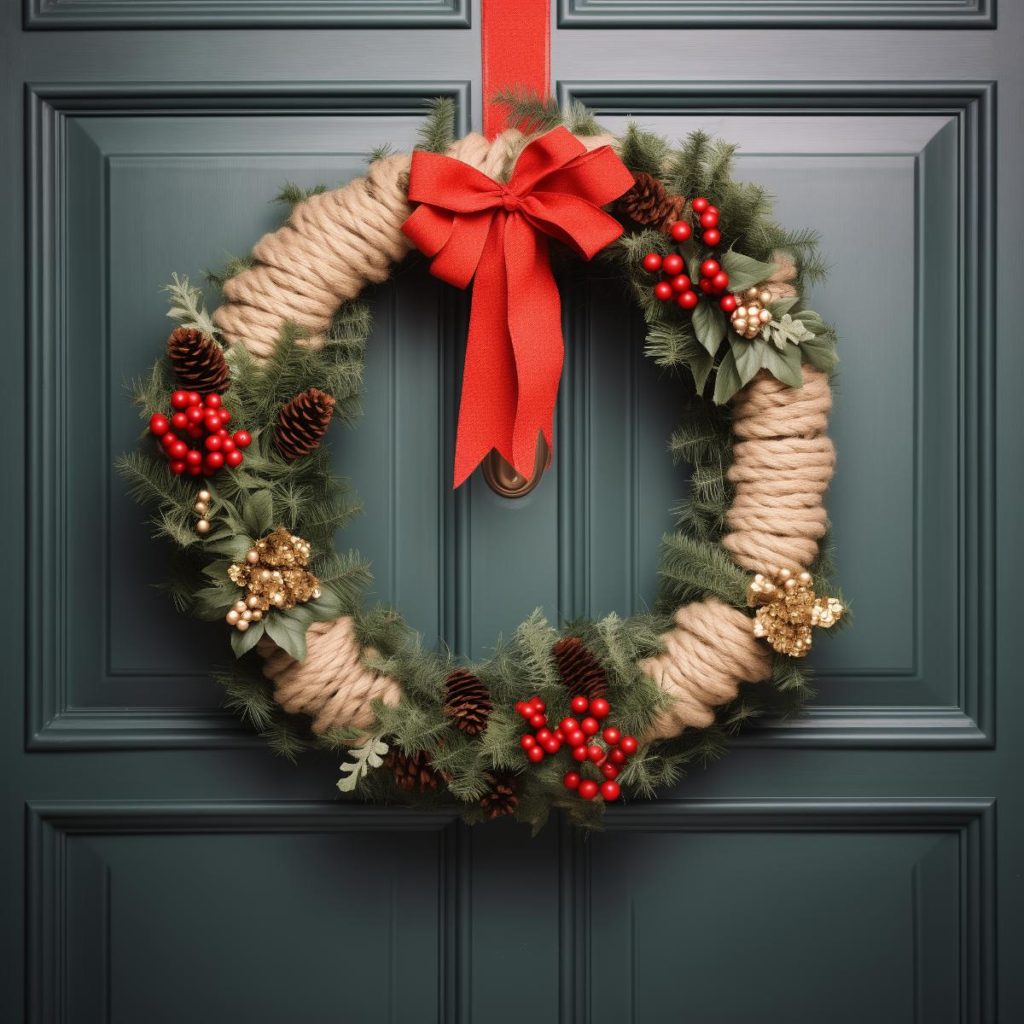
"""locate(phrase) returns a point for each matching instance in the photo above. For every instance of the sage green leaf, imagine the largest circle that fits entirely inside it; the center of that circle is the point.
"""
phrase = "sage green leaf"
(784, 365)
(820, 352)
(242, 643)
(747, 355)
(709, 325)
(232, 546)
(727, 380)
(786, 331)
(744, 271)
(288, 634)
(700, 364)
(781, 306)
(214, 602)
(258, 512)
(369, 755)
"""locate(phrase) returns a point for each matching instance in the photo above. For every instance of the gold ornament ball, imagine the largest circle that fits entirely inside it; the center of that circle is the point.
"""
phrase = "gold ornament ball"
(765, 297)
(239, 607)
(232, 617)
(740, 325)
(200, 508)
(257, 614)
(203, 495)
(241, 625)
(203, 526)
(764, 316)
(252, 556)
(252, 601)
(246, 616)
(751, 293)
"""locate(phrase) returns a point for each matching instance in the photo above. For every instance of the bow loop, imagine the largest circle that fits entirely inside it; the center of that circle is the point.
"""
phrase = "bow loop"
(474, 227)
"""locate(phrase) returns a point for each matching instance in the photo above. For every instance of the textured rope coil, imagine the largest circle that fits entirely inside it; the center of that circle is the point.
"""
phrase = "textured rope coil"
(336, 243)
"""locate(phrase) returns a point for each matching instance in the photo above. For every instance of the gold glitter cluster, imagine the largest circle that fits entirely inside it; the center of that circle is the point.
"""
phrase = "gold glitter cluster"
(273, 575)
(749, 318)
(787, 610)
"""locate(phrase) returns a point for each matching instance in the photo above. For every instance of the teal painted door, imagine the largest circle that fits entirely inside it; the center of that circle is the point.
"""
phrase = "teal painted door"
(859, 865)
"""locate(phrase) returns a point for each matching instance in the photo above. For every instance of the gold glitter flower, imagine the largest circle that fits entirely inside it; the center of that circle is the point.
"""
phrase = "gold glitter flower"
(788, 609)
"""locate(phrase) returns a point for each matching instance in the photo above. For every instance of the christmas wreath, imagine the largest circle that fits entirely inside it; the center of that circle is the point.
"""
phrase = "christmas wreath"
(575, 716)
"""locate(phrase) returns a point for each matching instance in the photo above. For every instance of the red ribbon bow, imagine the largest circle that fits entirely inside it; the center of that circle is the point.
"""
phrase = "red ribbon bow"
(472, 226)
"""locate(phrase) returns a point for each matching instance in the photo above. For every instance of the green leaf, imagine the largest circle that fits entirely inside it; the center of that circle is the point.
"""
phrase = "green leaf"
(745, 272)
(784, 365)
(369, 755)
(727, 380)
(214, 602)
(700, 364)
(781, 306)
(786, 331)
(258, 512)
(288, 634)
(232, 546)
(709, 325)
(820, 352)
(242, 643)
(747, 356)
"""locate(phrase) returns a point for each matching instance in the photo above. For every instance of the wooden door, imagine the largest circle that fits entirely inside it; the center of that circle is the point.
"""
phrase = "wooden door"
(859, 864)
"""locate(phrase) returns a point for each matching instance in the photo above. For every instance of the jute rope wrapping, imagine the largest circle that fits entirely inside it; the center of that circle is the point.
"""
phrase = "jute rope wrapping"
(336, 243)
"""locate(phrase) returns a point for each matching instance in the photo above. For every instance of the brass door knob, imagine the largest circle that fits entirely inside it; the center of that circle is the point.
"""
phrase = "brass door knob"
(503, 479)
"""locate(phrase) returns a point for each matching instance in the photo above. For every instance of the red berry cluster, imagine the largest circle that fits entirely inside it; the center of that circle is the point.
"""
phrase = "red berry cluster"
(581, 734)
(707, 217)
(198, 419)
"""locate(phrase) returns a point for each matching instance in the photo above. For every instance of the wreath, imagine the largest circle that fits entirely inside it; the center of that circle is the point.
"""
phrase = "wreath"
(575, 716)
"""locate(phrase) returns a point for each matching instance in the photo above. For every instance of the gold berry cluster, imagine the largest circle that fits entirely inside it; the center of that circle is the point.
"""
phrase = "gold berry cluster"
(202, 510)
(749, 318)
(788, 609)
(273, 575)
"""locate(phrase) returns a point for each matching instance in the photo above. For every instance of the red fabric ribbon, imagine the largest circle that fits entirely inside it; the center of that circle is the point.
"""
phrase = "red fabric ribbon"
(472, 226)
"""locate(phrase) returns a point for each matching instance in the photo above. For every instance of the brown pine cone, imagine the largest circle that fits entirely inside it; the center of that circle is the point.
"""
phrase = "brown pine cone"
(502, 798)
(412, 771)
(580, 670)
(649, 204)
(302, 423)
(198, 361)
(467, 702)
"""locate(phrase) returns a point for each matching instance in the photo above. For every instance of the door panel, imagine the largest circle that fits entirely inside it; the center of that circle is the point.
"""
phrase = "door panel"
(164, 866)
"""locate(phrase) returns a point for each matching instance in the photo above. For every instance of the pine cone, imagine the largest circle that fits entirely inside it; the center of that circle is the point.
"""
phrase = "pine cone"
(501, 798)
(649, 204)
(467, 702)
(580, 670)
(198, 361)
(411, 771)
(302, 423)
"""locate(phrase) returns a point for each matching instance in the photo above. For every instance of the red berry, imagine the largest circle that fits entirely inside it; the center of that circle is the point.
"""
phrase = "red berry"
(720, 281)
(589, 726)
(177, 466)
(672, 264)
(680, 283)
(179, 420)
(706, 286)
(681, 230)
(214, 443)
(709, 268)
(523, 709)
(579, 752)
(194, 398)
(709, 219)
(611, 736)
(728, 303)
(599, 707)
(712, 236)
(211, 421)
(227, 445)
(538, 705)
(544, 734)
(628, 745)
(195, 433)
(580, 704)
(168, 439)
(159, 424)
(535, 754)
(714, 210)
(571, 780)
(616, 756)
(526, 741)
(700, 204)
(595, 753)
(587, 789)
(610, 790)
(662, 291)
(687, 300)
(225, 416)
(652, 261)
(213, 460)
(568, 725)
(179, 399)
(609, 770)
(178, 450)
(575, 737)
(212, 401)
(194, 414)
(234, 459)
(242, 438)
(194, 457)
(552, 745)
(194, 470)
(538, 720)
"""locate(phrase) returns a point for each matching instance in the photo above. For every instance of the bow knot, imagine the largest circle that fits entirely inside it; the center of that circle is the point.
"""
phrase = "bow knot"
(494, 234)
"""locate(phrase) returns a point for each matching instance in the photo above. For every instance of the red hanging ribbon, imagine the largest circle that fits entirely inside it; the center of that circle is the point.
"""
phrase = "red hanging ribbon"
(472, 226)
(515, 47)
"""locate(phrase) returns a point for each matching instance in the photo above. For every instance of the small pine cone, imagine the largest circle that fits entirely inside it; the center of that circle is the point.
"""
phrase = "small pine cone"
(467, 702)
(302, 423)
(411, 771)
(198, 361)
(580, 670)
(649, 204)
(502, 797)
